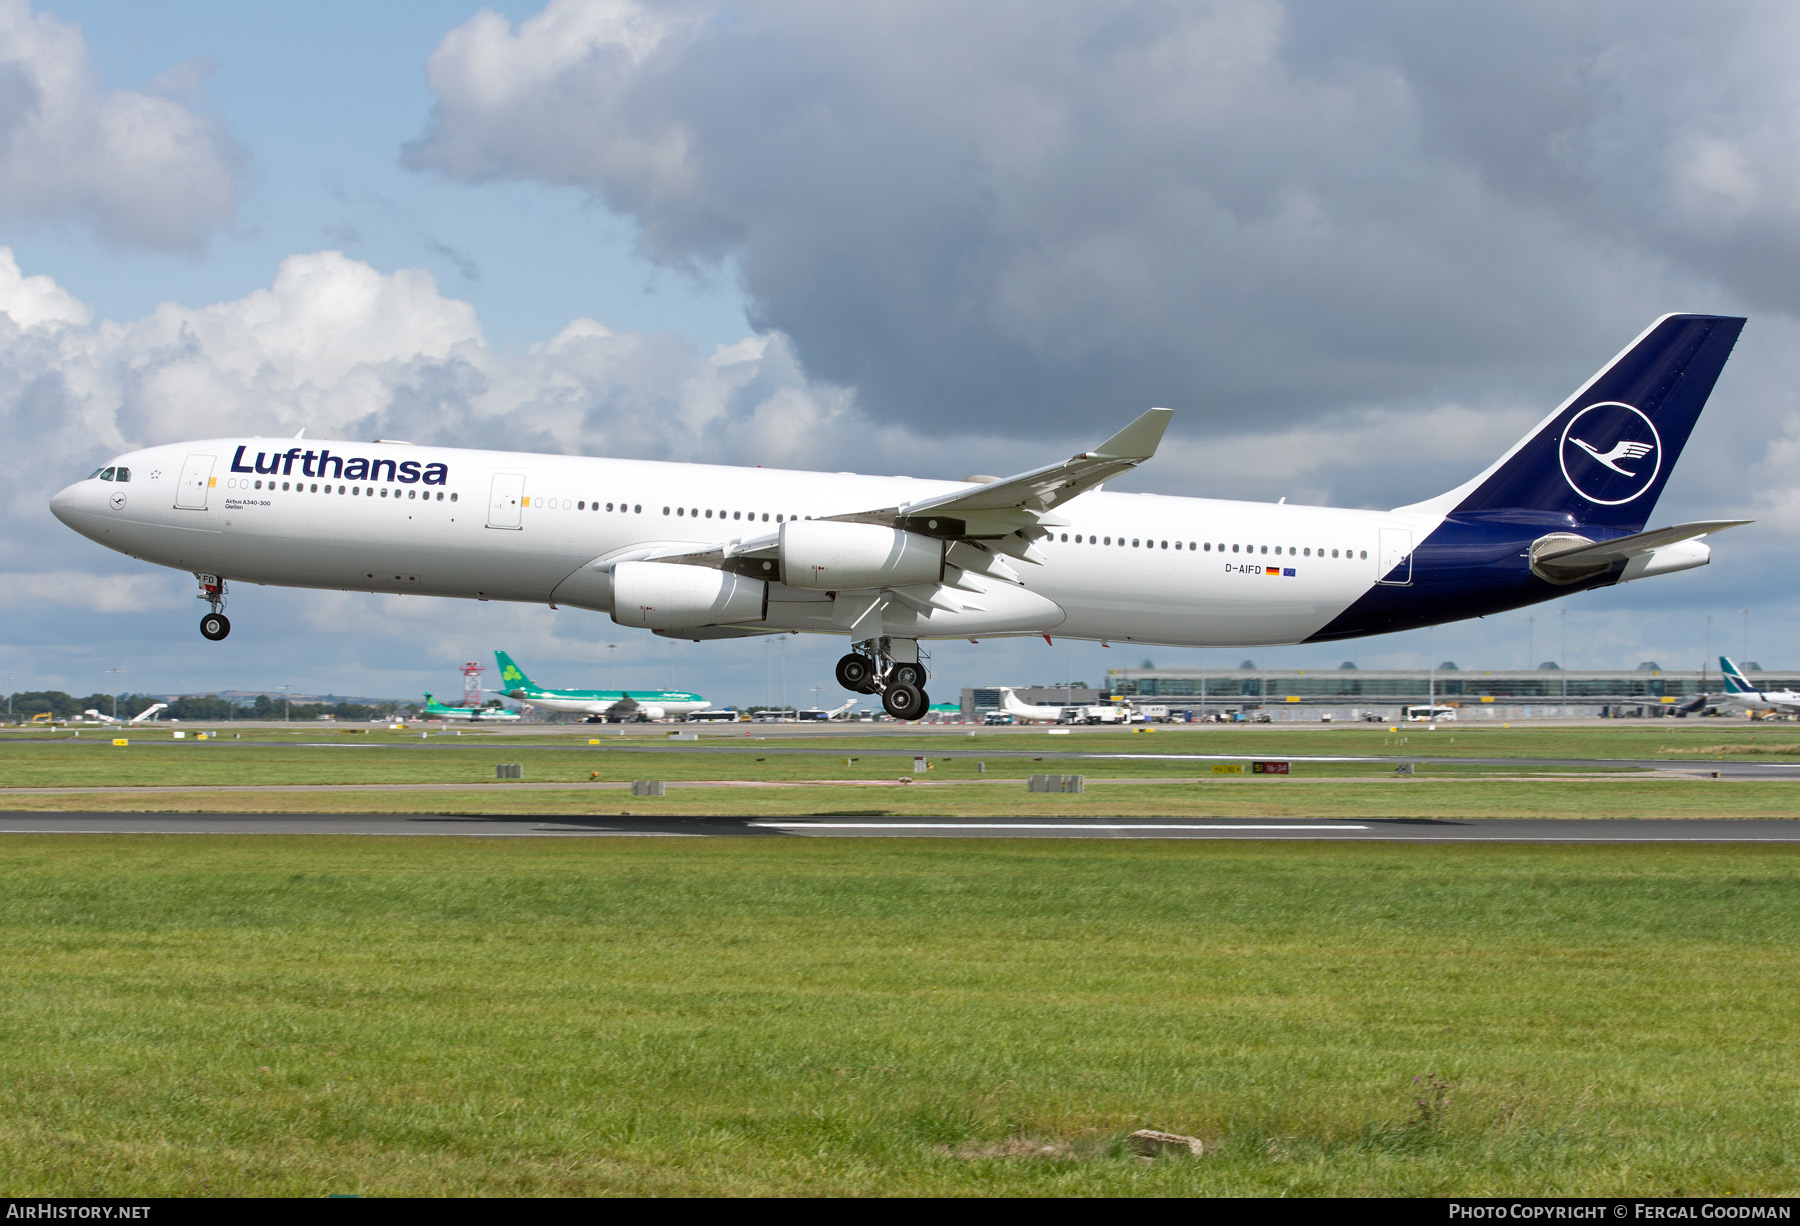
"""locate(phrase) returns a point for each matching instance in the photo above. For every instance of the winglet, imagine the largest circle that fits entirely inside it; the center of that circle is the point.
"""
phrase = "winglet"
(1139, 440)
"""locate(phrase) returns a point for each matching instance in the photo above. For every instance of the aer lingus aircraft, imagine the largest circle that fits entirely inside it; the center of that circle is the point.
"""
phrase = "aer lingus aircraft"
(703, 551)
(595, 704)
(475, 715)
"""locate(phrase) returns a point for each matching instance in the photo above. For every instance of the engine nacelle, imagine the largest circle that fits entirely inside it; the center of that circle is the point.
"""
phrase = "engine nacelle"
(828, 556)
(667, 596)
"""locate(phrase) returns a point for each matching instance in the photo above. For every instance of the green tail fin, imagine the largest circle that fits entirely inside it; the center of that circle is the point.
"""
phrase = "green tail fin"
(512, 677)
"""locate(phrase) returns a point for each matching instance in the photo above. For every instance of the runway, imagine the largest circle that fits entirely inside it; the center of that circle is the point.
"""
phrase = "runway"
(1398, 830)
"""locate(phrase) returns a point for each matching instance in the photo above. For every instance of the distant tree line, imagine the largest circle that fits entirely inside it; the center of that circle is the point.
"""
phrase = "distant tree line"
(27, 703)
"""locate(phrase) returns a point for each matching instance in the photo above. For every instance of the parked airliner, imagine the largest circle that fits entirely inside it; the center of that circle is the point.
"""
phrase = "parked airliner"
(596, 704)
(1739, 690)
(1027, 713)
(703, 552)
(148, 713)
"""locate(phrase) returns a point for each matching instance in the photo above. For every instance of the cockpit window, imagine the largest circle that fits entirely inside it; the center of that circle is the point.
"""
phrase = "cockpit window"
(106, 474)
(95, 475)
(121, 474)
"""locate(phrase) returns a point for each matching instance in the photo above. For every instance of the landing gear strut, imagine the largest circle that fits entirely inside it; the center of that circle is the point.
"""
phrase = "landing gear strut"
(215, 625)
(892, 668)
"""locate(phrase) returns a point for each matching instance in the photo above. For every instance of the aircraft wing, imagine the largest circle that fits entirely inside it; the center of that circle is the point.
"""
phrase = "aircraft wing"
(999, 508)
(981, 522)
(1577, 556)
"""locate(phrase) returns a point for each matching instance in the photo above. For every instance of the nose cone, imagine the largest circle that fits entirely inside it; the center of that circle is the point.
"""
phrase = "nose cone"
(65, 502)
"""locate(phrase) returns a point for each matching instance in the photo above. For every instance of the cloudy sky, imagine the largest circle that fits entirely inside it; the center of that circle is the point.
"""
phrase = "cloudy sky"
(1359, 250)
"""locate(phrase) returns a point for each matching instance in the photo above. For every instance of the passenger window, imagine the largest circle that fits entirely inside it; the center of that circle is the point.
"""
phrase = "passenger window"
(1165, 544)
(284, 486)
(384, 491)
(581, 506)
(1265, 549)
(681, 511)
(1065, 536)
(1234, 549)
(412, 493)
(1364, 555)
(765, 518)
(1134, 543)
(637, 508)
(1207, 547)
(737, 515)
(1191, 546)
(709, 512)
(355, 490)
(1108, 540)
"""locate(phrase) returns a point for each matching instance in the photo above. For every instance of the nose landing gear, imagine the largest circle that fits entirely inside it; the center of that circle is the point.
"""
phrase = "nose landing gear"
(215, 625)
(892, 668)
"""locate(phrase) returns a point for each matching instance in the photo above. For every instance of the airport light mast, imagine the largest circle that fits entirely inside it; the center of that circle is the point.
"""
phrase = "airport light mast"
(472, 684)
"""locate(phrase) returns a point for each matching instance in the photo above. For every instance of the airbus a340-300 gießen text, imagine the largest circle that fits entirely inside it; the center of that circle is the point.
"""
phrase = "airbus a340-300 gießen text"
(706, 552)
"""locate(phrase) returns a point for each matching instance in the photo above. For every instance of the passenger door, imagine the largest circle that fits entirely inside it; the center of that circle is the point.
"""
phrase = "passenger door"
(504, 503)
(1395, 565)
(196, 479)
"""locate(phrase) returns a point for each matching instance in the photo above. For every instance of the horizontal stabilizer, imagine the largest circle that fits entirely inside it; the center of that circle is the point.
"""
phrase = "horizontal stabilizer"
(1562, 556)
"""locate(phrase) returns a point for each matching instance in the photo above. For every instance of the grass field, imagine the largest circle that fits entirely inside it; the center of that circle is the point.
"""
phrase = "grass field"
(1426, 797)
(978, 775)
(382, 1016)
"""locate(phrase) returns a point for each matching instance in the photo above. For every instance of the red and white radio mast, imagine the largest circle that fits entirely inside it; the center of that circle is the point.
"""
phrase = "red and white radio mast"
(472, 684)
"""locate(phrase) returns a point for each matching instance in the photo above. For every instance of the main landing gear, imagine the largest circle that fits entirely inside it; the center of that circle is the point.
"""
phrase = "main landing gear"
(215, 625)
(892, 668)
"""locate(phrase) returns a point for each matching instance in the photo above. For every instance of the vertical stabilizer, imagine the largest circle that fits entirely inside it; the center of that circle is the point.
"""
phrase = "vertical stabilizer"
(1602, 458)
(512, 677)
(1735, 681)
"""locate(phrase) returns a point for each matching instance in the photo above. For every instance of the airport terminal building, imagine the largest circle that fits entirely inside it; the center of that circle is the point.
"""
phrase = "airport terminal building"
(1350, 693)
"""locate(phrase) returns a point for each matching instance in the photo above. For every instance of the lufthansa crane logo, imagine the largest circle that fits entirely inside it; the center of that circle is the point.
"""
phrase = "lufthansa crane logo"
(1610, 453)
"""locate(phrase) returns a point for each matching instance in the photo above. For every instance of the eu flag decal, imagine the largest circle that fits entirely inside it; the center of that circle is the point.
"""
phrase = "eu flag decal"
(1288, 572)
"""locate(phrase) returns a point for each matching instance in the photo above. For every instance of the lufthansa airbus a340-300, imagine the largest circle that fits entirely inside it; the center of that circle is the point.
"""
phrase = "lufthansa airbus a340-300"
(708, 552)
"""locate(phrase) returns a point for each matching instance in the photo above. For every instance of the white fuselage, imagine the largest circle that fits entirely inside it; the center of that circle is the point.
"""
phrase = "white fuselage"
(1025, 712)
(546, 528)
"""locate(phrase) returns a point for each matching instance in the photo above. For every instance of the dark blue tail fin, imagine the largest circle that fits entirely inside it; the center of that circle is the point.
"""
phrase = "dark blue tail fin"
(1602, 458)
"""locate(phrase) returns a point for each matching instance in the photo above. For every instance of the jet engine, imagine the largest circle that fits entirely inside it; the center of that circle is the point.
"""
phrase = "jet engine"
(826, 555)
(668, 596)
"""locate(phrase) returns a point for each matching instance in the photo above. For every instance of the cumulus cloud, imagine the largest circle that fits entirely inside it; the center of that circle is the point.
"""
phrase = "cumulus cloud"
(90, 591)
(1017, 214)
(343, 350)
(142, 168)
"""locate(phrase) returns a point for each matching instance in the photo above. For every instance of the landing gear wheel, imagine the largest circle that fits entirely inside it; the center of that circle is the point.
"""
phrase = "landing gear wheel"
(856, 673)
(907, 674)
(215, 626)
(903, 701)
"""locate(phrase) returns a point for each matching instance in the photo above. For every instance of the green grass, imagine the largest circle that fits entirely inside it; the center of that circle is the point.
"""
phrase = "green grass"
(325, 756)
(1423, 796)
(382, 1016)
